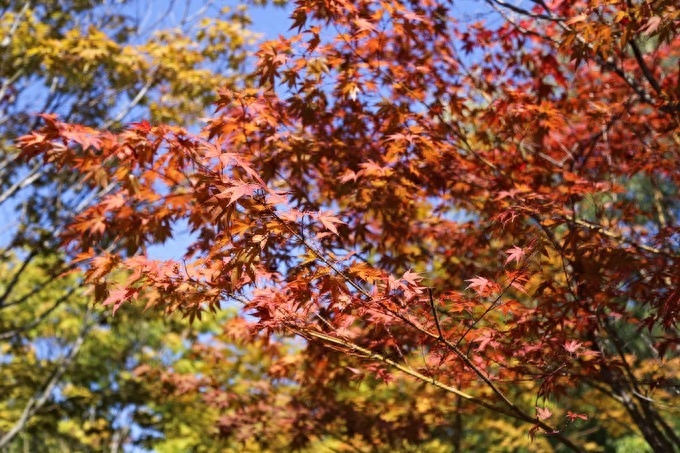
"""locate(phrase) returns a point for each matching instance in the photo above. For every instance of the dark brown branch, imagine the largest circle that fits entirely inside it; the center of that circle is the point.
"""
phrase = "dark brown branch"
(643, 66)
(15, 278)
(435, 315)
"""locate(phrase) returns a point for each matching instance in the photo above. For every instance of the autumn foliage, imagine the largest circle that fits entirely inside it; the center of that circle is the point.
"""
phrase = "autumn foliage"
(66, 367)
(486, 210)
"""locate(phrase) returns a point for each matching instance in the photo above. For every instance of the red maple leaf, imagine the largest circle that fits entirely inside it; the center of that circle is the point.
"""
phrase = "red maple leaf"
(571, 416)
(479, 284)
(119, 296)
(572, 346)
(412, 278)
(543, 413)
(515, 254)
(328, 220)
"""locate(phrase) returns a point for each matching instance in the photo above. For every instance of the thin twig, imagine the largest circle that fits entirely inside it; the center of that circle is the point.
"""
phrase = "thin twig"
(435, 314)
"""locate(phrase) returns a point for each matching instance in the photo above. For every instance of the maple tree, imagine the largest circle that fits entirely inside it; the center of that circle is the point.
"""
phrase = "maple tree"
(67, 380)
(487, 208)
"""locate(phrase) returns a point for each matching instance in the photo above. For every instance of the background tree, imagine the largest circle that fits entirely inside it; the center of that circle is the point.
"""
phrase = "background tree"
(487, 207)
(69, 381)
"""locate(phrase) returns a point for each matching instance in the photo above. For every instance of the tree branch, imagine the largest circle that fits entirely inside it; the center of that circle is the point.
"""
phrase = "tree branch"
(355, 349)
(37, 401)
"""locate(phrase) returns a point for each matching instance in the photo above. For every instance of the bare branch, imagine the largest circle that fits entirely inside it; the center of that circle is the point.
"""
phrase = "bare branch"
(27, 180)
